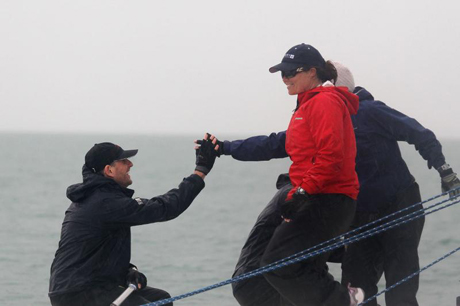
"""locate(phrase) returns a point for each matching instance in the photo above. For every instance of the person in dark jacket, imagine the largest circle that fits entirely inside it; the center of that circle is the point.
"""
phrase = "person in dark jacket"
(92, 264)
(387, 186)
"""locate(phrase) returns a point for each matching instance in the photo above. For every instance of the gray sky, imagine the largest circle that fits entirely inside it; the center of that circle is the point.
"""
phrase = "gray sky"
(195, 66)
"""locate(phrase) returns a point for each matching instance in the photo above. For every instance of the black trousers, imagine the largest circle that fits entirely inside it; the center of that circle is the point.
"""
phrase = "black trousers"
(256, 291)
(393, 253)
(309, 282)
(101, 296)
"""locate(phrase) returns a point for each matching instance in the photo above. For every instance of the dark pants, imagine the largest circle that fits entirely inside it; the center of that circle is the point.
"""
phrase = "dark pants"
(308, 282)
(256, 291)
(105, 296)
(393, 252)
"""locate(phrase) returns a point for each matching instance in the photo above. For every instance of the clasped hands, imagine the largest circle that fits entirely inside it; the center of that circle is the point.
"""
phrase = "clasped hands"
(207, 150)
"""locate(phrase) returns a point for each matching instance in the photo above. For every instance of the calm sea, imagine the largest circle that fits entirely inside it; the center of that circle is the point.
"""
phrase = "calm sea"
(197, 249)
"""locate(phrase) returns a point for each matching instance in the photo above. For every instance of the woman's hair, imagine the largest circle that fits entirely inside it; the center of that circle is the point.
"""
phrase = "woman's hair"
(326, 73)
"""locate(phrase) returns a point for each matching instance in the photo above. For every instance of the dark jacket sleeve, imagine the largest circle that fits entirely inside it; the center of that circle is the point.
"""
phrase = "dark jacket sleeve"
(257, 148)
(398, 126)
(125, 211)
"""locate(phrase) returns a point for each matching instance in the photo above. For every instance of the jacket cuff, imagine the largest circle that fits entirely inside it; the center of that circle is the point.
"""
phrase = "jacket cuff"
(196, 180)
(132, 266)
(226, 148)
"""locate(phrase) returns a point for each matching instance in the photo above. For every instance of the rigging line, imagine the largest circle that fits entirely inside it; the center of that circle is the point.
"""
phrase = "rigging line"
(291, 261)
(360, 228)
(367, 233)
(410, 276)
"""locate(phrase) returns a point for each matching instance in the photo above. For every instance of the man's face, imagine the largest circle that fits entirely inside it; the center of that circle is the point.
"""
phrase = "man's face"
(119, 172)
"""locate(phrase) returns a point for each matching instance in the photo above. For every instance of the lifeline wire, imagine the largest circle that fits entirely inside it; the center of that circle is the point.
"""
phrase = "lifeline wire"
(262, 270)
(360, 228)
(410, 276)
(249, 274)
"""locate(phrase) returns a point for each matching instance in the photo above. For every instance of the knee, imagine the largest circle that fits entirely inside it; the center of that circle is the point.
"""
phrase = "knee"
(164, 295)
(268, 257)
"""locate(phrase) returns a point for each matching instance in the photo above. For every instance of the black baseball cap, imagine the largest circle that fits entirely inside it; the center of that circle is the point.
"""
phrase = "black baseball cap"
(105, 153)
(302, 55)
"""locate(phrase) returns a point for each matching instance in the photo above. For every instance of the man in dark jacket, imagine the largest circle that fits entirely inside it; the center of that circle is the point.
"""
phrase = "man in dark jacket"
(386, 186)
(92, 264)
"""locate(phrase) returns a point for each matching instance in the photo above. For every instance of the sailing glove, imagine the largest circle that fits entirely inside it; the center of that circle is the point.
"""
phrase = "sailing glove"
(219, 143)
(205, 156)
(136, 278)
(220, 150)
(449, 181)
(299, 203)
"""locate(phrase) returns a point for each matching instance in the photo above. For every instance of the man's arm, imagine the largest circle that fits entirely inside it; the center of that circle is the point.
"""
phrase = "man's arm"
(396, 125)
(404, 128)
(129, 212)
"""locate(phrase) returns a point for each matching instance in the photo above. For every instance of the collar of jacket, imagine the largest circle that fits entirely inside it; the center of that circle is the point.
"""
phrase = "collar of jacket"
(363, 94)
(92, 182)
(303, 97)
(350, 99)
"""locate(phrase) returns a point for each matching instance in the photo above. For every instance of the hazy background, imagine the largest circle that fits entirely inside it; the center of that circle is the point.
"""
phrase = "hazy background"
(179, 67)
(110, 67)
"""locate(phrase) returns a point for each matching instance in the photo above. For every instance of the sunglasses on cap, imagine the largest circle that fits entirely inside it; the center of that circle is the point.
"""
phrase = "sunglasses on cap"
(292, 73)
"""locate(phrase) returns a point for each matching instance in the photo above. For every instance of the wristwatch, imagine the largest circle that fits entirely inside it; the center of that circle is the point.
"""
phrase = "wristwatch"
(300, 190)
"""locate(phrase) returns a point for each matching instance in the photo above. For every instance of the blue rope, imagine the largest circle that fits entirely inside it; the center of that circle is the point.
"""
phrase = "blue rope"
(362, 227)
(410, 276)
(285, 262)
(255, 272)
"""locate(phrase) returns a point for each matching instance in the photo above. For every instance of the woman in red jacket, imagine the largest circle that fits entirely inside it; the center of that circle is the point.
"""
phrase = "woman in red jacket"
(321, 144)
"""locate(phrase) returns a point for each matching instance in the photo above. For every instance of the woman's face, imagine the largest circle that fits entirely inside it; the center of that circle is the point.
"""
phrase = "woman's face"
(301, 82)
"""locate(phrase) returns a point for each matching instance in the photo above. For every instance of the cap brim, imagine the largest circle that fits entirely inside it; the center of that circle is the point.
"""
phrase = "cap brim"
(127, 154)
(284, 67)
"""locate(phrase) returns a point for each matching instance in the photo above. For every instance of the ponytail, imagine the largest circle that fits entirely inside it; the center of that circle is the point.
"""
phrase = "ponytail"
(327, 73)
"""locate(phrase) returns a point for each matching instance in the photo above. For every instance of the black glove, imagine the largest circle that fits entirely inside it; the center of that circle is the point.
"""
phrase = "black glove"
(219, 143)
(137, 278)
(300, 201)
(449, 180)
(220, 150)
(205, 156)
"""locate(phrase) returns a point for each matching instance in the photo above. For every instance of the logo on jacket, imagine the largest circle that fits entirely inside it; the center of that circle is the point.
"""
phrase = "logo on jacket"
(139, 201)
(298, 118)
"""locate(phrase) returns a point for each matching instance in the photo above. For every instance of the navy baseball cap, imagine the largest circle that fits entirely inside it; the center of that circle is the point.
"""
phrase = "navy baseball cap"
(105, 153)
(302, 55)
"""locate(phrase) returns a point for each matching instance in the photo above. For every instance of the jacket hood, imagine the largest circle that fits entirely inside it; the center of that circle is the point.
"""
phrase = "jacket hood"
(351, 100)
(362, 93)
(91, 182)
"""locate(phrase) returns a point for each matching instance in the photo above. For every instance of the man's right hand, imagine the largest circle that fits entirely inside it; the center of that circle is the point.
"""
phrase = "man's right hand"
(205, 155)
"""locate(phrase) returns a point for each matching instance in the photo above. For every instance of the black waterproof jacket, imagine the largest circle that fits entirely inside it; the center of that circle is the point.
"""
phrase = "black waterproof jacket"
(95, 245)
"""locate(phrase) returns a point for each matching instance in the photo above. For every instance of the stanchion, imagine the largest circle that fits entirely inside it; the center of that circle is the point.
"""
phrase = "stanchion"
(124, 295)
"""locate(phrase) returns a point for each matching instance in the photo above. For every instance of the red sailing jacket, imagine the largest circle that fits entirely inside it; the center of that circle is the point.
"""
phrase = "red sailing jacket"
(321, 143)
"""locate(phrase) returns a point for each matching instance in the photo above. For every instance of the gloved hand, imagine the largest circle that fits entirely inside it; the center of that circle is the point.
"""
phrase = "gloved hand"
(220, 149)
(300, 201)
(215, 142)
(137, 278)
(449, 180)
(205, 155)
